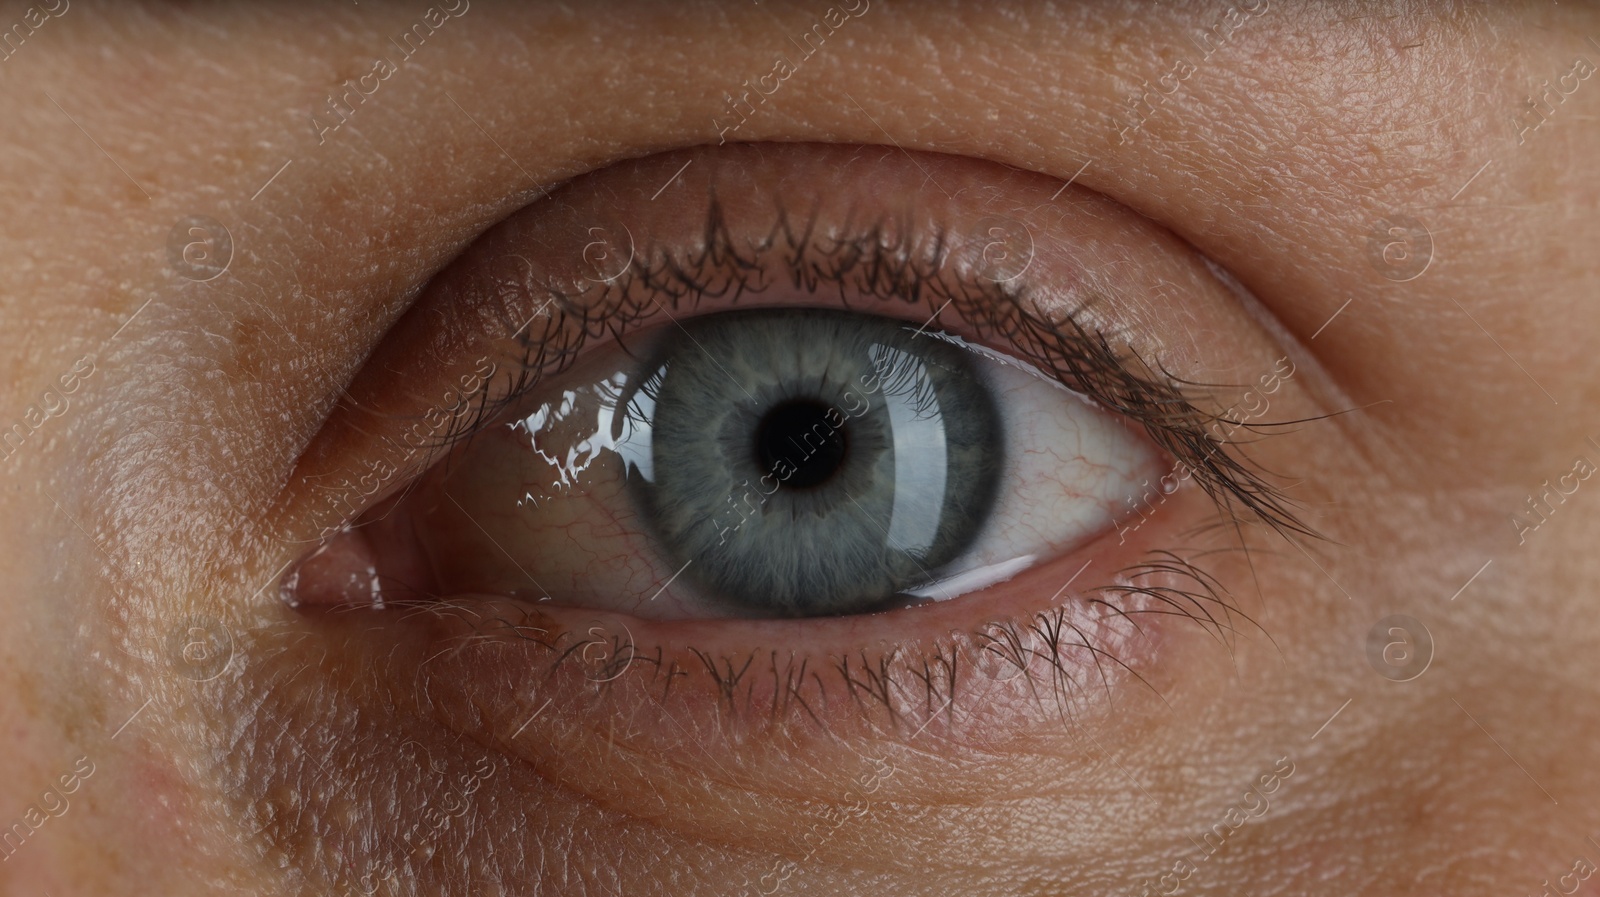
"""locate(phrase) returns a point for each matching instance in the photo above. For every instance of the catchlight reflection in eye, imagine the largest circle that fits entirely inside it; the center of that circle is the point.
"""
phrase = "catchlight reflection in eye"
(790, 463)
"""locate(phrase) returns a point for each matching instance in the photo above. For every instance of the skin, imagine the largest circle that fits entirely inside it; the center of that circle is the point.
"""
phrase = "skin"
(164, 492)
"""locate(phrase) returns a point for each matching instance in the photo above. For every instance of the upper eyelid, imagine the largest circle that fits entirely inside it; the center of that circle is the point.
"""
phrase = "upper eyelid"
(868, 264)
(865, 256)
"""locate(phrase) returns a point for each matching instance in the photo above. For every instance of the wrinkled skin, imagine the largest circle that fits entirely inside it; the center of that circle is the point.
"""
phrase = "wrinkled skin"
(165, 489)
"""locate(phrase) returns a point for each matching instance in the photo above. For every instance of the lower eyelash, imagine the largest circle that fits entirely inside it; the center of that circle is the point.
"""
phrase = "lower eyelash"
(903, 686)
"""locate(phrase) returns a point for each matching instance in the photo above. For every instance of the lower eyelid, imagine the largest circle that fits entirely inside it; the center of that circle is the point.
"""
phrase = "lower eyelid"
(825, 679)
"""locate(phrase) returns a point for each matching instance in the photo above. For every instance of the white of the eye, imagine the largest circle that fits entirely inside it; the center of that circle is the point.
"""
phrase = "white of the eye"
(1072, 469)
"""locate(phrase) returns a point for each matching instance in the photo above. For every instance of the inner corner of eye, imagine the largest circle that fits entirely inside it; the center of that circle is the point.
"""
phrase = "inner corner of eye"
(755, 463)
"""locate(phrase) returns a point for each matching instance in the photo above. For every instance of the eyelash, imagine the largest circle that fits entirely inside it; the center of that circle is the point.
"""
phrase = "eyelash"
(873, 263)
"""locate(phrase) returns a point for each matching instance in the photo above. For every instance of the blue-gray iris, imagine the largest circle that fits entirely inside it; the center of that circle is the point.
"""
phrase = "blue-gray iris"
(810, 462)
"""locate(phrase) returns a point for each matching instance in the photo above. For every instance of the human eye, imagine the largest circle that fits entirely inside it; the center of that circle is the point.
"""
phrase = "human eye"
(766, 462)
(803, 419)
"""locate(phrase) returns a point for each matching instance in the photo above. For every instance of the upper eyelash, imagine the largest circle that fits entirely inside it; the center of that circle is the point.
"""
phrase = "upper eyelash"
(872, 262)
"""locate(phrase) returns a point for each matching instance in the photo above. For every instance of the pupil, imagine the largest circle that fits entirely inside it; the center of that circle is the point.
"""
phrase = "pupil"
(797, 436)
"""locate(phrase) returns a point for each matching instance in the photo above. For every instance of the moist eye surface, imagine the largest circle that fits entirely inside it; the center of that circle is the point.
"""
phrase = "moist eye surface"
(770, 462)
(809, 462)
(736, 449)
